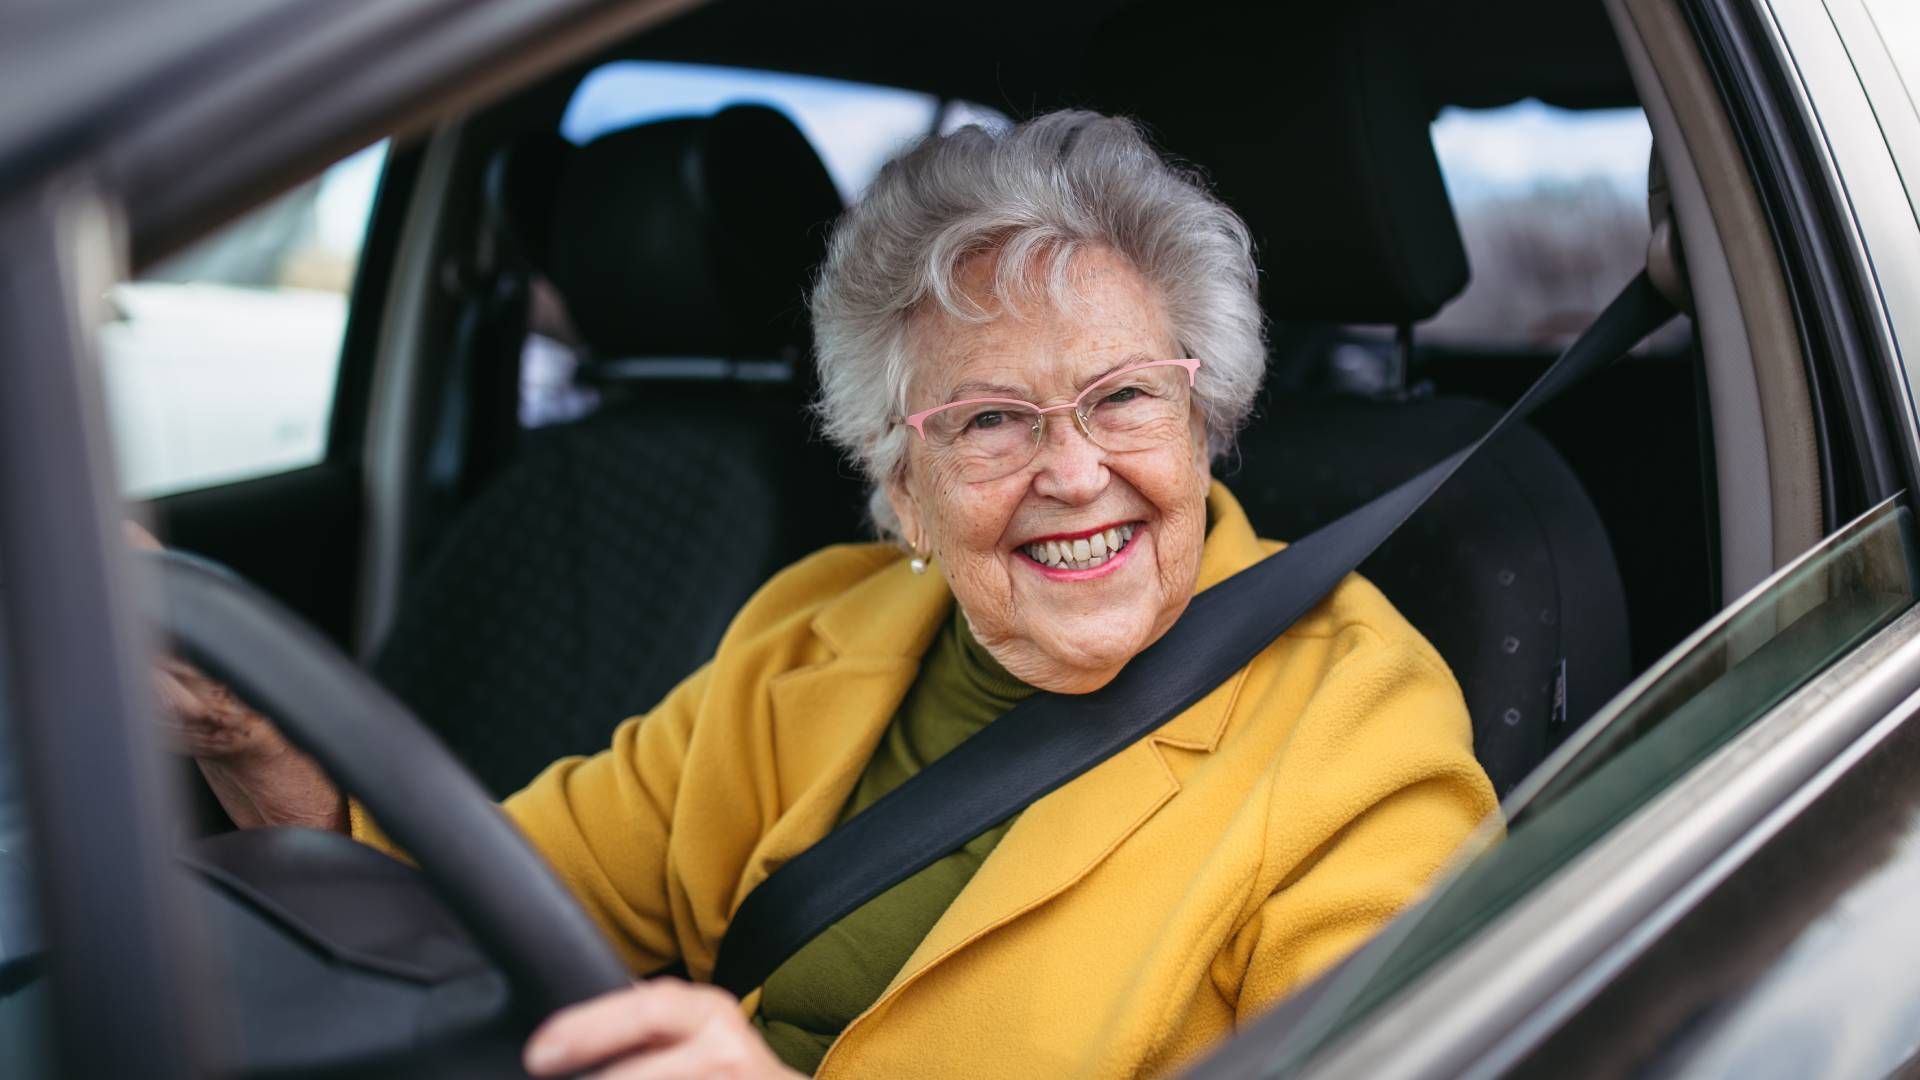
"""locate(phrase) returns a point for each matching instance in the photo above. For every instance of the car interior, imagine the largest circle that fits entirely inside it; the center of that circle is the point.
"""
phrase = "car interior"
(522, 589)
(501, 592)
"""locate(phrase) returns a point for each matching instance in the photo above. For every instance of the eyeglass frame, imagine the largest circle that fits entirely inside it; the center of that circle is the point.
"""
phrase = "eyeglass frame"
(917, 421)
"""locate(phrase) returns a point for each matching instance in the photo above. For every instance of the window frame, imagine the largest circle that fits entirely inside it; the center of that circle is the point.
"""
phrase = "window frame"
(366, 306)
(1485, 1006)
(1853, 363)
(339, 422)
(112, 913)
(1729, 968)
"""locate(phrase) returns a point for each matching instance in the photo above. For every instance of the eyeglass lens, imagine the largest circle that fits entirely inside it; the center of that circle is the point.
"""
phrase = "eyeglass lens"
(1130, 410)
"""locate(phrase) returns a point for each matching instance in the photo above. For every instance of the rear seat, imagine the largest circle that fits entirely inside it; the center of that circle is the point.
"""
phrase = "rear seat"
(603, 563)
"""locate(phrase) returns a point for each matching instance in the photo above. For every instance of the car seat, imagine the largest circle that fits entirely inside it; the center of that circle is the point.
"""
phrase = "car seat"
(602, 564)
(1319, 136)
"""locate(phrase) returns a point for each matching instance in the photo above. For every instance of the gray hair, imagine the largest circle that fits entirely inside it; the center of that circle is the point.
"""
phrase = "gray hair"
(1043, 190)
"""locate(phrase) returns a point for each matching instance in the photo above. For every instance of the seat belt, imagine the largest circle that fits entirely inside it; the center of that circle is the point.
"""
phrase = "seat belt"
(1048, 739)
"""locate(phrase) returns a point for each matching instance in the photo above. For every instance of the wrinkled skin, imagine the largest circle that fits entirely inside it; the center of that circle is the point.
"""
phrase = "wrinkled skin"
(1063, 636)
(259, 778)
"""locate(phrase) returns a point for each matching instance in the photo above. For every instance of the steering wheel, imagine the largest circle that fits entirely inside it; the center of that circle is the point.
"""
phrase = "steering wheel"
(371, 745)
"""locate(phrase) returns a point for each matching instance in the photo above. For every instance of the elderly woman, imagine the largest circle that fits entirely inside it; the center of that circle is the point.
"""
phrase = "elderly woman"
(1034, 343)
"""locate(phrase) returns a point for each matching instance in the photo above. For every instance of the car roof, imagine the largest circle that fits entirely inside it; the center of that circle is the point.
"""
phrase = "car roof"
(192, 110)
(1021, 56)
(69, 72)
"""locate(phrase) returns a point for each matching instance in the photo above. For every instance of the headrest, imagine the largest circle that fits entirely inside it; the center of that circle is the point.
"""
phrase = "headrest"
(521, 183)
(1311, 121)
(694, 236)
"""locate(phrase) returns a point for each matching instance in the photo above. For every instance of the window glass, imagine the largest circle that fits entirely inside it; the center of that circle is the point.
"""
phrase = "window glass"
(1552, 205)
(1709, 689)
(855, 127)
(220, 363)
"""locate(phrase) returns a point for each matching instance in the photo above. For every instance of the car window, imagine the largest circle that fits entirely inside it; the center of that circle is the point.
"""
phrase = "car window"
(1552, 205)
(23, 1048)
(854, 127)
(1713, 686)
(220, 363)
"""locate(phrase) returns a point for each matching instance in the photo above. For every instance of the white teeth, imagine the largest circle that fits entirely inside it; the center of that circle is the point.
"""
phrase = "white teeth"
(1084, 553)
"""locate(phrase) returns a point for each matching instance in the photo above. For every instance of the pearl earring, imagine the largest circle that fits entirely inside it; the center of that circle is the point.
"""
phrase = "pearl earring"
(918, 564)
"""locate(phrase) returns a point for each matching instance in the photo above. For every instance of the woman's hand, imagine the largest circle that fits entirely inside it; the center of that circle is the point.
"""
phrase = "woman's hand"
(259, 778)
(651, 1031)
(201, 717)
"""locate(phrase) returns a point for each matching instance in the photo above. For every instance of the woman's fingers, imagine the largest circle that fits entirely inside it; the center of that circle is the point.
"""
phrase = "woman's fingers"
(707, 1056)
(177, 706)
(204, 718)
(658, 1013)
(654, 1031)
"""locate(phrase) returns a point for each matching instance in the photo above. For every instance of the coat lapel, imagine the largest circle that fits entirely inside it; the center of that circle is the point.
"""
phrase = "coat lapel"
(828, 717)
(1062, 837)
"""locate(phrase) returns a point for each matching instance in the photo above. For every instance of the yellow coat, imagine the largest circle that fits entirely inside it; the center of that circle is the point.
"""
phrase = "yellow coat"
(1127, 920)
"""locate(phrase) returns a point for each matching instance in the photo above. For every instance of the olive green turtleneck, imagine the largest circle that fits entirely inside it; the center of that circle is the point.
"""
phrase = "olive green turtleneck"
(812, 997)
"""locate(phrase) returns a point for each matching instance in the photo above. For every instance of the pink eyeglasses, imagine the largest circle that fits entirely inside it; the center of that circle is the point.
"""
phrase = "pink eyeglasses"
(1138, 407)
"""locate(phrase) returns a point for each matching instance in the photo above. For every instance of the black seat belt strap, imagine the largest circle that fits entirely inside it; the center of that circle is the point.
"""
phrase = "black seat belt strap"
(1048, 739)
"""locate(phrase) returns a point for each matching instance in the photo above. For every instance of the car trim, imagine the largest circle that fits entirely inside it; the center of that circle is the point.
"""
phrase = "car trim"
(1828, 89)
(1668, 74)
(367, 305)
(1480, 1010)
(118, 938)
(1836, 300)
(399, 391)
(226, 135)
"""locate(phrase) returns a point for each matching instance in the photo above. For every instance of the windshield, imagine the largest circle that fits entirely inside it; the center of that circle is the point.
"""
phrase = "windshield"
(1719, 682)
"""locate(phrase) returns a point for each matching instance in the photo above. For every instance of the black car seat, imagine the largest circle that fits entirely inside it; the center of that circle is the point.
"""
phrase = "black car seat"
(601, 566)
(1318, 134)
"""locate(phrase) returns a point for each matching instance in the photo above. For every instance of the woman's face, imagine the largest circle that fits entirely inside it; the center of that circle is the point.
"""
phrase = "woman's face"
(1068, 631)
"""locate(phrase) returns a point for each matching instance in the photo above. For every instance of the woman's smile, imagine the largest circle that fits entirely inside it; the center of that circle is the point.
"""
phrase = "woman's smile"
(1082, 555)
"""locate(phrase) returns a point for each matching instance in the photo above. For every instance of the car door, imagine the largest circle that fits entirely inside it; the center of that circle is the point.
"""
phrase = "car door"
(1618, 835)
